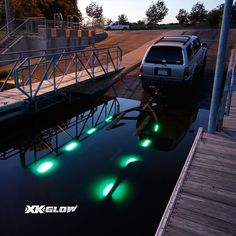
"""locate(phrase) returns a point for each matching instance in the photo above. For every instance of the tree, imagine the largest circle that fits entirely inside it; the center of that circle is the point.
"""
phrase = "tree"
(2, 13)
(108, 21)
(24, 9)
(122, 19)
(156, 12)
(214, 17)
(198, 13)
(94, 10)
(141, 22)
(47, 8)
(182, 17)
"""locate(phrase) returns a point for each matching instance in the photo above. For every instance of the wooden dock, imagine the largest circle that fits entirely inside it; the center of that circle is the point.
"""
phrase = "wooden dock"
(204, 199)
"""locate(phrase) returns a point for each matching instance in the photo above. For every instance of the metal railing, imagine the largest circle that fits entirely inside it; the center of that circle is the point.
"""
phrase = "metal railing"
(57, 71)
(21, 27)
(13, 59)
(225, 102)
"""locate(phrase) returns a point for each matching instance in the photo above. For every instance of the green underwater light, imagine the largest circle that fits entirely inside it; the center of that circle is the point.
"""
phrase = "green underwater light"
(146, 143)
(71, 146)
(109, 119)
(121, 193)
(44, 167)
(107, 189)
(126, 160)
(102, 189)
(156, 128)
(91, 131)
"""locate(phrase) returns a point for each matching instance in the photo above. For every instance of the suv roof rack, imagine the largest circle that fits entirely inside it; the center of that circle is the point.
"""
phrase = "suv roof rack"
(179, 38)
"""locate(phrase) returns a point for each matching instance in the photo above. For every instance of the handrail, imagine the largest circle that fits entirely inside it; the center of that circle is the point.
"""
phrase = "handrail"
(12, 32)
(225, 102)
(52, 70)
(5, 26)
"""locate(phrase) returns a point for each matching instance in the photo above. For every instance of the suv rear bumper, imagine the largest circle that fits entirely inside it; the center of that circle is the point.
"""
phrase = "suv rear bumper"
(151, 82)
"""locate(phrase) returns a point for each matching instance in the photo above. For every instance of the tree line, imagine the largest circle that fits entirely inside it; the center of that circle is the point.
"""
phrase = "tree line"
(200, 15)
(155, 13)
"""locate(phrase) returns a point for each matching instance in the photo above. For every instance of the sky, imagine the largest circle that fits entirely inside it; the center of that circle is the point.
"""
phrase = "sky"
(135, 9)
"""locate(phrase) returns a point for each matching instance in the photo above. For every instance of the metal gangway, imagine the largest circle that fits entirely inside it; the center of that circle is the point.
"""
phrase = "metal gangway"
(47, 78)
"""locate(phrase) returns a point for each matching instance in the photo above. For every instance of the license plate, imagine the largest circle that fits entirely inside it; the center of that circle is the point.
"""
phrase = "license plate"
(162, 72)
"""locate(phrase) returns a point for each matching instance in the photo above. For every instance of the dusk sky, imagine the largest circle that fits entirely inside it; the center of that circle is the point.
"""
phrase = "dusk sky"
(136, 9)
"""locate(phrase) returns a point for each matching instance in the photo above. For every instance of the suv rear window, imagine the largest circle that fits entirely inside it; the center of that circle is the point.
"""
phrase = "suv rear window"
(164, 54)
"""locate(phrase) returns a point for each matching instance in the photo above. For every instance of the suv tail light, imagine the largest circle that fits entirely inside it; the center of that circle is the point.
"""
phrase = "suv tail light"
(186, 72)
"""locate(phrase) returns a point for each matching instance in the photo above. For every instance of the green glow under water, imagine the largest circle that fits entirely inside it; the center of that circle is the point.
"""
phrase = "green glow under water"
(156, 128)
(126, 160)
(109, 119)
(103, 188)
(91, 131)
(146, 143)
(71, 146)
(107, 189)
(44, 167)
(121, 193)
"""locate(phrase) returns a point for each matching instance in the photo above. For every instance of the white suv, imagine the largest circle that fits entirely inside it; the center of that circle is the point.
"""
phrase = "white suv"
(173, 59)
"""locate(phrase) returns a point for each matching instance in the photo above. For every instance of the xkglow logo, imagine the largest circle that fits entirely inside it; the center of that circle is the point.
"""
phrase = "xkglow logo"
(42, 209)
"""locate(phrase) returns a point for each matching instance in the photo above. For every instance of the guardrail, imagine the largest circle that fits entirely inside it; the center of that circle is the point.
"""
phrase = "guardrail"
(225, 102)
(53, 72)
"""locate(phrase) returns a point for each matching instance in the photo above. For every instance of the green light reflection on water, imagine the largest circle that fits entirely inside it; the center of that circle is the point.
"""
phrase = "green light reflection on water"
(91, 131)
(109, 119)
(146, 143)
(44, 166)
(102, 189)
(126, 160)
(71, 146)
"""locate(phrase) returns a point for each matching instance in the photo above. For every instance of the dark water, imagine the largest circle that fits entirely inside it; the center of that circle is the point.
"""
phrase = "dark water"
(120, 187)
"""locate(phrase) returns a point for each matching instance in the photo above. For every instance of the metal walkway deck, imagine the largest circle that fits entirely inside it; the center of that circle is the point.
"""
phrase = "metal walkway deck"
(204, 199)
(38, 77)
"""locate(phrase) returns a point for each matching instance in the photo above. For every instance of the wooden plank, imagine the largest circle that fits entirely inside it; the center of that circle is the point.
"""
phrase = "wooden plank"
(218, 160)
(225, 179)
(209, 191)
(209, 150)
(218, 141)
(220, 227)
(215, 181)
(217, 136)
(220, 148)
(172, 201)
(212, 165)
(193, 227)
(207, 207)
(178, 231)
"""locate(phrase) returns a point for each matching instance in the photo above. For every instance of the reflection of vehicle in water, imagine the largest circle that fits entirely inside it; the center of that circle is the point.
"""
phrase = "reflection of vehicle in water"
(169, 128)
(161, 126)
